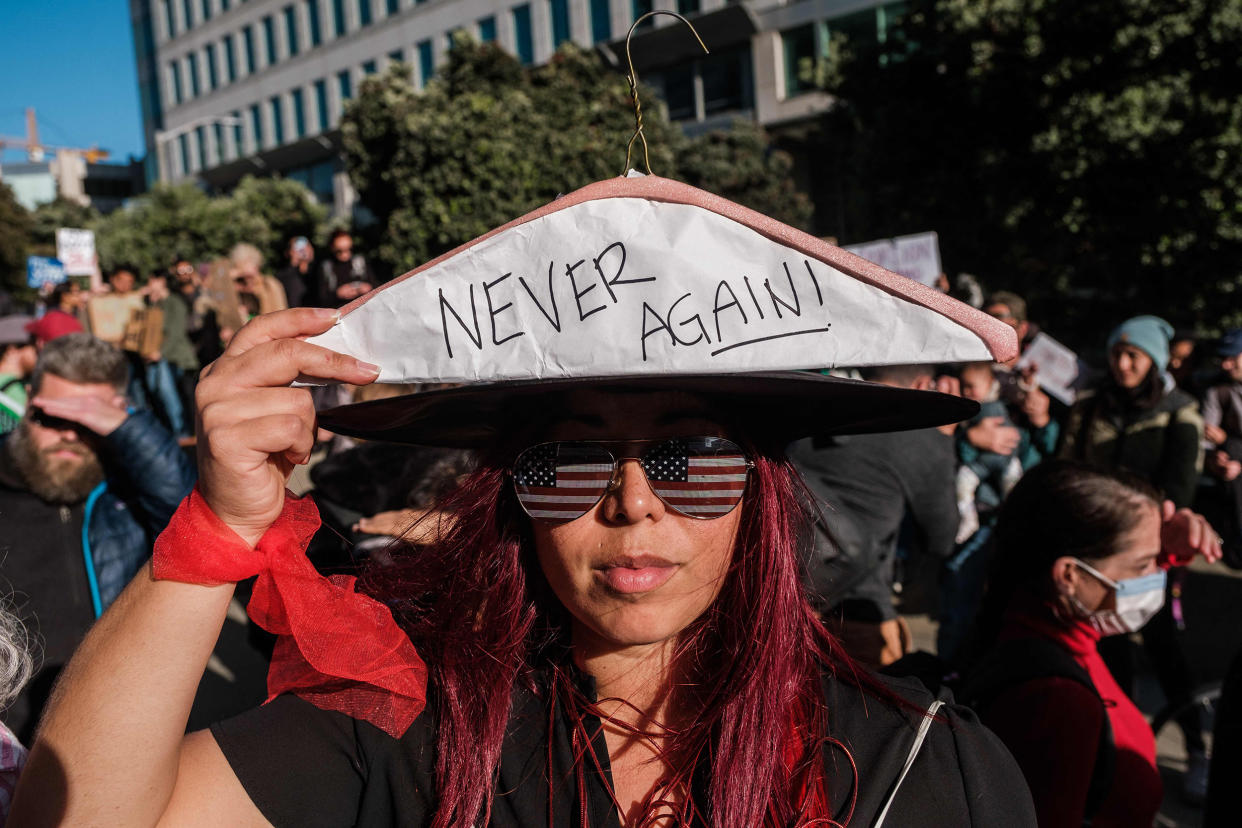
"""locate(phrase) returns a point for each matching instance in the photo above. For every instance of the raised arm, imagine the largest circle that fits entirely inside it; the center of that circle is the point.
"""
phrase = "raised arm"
(111, 748)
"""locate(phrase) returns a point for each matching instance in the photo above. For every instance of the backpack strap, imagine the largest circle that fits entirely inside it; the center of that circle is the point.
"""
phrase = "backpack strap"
(1027, 659)
(919, 737)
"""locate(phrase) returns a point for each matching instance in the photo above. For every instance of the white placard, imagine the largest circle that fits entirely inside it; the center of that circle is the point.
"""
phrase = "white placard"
(1056, 364)
(916, 256)
(629, 285)
(76, 250)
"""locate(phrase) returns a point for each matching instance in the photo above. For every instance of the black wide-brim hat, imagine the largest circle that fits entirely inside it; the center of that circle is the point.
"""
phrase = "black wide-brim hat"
(780, 406)
(642, 283)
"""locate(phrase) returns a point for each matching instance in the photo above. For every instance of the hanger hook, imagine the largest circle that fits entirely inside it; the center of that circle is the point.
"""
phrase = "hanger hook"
(633, 78)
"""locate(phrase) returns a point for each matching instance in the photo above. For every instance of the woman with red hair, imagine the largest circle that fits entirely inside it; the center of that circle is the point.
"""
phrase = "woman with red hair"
(613, 631)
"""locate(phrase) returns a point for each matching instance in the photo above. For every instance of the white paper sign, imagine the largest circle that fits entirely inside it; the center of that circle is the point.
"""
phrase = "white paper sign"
(1057, 366)
(76, 250)
(628, 286)
(916, 256)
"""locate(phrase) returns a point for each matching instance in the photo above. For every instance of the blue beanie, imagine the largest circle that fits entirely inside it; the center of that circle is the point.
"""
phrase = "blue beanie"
(1150, 334)
(1230, 343)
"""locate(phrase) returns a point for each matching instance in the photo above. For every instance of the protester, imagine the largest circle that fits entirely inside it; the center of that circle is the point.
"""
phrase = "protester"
(297, 278)
(621, 649)
(51, 325)
(16, 667)
(1080, 557)
(17, 360)
(257, 292)
(1137, 420)
(84, 487)
(168, 368)
(868, 484)
(68, 297)
(344, 275)
(1222, 432)
(1010, 308)
(1184, 354)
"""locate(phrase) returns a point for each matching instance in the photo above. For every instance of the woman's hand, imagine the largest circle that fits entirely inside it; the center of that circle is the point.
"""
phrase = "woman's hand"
(253, 428)
(1185, 534)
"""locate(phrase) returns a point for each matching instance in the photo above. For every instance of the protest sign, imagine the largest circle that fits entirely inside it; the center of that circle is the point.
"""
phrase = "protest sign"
(628, 285)
(109, 315)
(1057, 366)
(915, 256)
(41, 271)
(76, 250)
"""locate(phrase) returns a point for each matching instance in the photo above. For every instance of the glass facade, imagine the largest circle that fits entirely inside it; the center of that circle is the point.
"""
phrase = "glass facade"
(206, 15)
(248, 48)
(338, 17)
(601, 21)
(183, 142)
(256, 126)
(426, 62)
(321, 104)
(364, 12)
(191, 62)
(299, 113)
(345, 84)
(269, 39)
(291, 30)
(312, 20)
(230, 59)
(392, 6)
(175, 70)
(200, 138)
(559, 12)
(213, 74)
(523, 38)
(487, 29)
(187, 14)
(278, 120)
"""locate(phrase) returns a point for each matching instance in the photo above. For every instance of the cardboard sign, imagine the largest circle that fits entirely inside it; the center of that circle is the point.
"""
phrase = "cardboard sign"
(108, 315)
(629, 285)
(1057, 366)
(916, 256)
(42, 271)
(76, 250)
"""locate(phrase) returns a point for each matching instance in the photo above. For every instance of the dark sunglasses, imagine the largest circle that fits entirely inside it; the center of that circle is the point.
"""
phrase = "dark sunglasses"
(699, 477)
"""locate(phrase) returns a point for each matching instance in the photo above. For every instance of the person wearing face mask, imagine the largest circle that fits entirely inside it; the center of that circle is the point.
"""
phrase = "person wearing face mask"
(1081, 556)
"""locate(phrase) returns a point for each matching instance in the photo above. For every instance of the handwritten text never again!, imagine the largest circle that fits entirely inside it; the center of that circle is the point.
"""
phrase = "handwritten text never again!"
(724, 317)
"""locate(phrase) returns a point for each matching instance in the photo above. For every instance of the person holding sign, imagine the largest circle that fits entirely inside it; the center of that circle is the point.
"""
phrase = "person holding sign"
(614, 631)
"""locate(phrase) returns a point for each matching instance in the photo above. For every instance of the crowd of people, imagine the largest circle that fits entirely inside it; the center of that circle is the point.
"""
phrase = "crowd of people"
(1058, 531)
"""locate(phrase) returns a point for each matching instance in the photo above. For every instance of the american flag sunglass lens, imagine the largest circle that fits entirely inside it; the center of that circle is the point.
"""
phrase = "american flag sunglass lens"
(700, 477)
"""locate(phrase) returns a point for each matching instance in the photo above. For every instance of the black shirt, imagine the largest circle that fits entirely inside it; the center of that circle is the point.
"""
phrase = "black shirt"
(303, 766)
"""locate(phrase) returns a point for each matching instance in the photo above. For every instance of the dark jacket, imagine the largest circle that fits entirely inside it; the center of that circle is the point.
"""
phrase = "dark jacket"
(42, 556)
(867, 484)
(1161, 443)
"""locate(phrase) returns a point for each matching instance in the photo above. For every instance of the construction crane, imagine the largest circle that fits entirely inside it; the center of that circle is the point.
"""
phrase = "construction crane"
(36, 151)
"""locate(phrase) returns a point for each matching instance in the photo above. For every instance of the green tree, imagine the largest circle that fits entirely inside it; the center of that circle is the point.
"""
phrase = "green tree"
(174, 221)
(488, 140)
(285, 207)
(49, 217)
(14, 241)
(1068, 150)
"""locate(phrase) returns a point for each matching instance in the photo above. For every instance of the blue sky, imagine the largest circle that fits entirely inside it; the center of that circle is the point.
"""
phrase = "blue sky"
(73, 61)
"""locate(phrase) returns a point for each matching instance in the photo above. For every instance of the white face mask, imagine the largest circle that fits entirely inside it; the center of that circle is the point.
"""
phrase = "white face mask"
(1137, 600)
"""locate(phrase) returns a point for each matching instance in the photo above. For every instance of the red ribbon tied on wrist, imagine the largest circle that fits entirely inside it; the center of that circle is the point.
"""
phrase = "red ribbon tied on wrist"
(337, 649)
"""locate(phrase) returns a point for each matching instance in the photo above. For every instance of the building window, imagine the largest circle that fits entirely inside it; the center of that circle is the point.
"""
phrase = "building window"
(206, 16)
(862, 29)
(237, 133)
(291, 30)
(248, 48)
(321, 103)
(426, 63)
(299, 113)
(175, 69)
(183, 141)
(218, 132)
(346, 85)
(523, 42)
(560, 21)
(640, 7)
(187, 10)
(230, 59)
(200, 136)
(256, 126)
(338, 17)
(396, 56)
(726, 81)
(392, 7)
(601, 21)
(687, 7)
(368, 67)
(269, 37)
(209, 57)
(487, 29)
(312, 19)
(192, 68)
(170, 30)
(364, 12)
(224, 5)
(278, 121)
(803, 46)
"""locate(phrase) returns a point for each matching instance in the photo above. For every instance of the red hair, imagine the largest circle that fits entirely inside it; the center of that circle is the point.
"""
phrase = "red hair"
(477, 607)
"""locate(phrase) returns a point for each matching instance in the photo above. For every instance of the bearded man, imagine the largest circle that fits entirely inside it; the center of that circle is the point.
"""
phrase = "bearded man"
(85, 486)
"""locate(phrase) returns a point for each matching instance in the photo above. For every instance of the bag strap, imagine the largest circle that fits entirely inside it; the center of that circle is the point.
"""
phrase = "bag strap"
(919, 738)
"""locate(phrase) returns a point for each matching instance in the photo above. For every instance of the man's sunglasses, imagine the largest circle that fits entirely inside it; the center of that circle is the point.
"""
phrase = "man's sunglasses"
(40, 417)
(699, 477)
